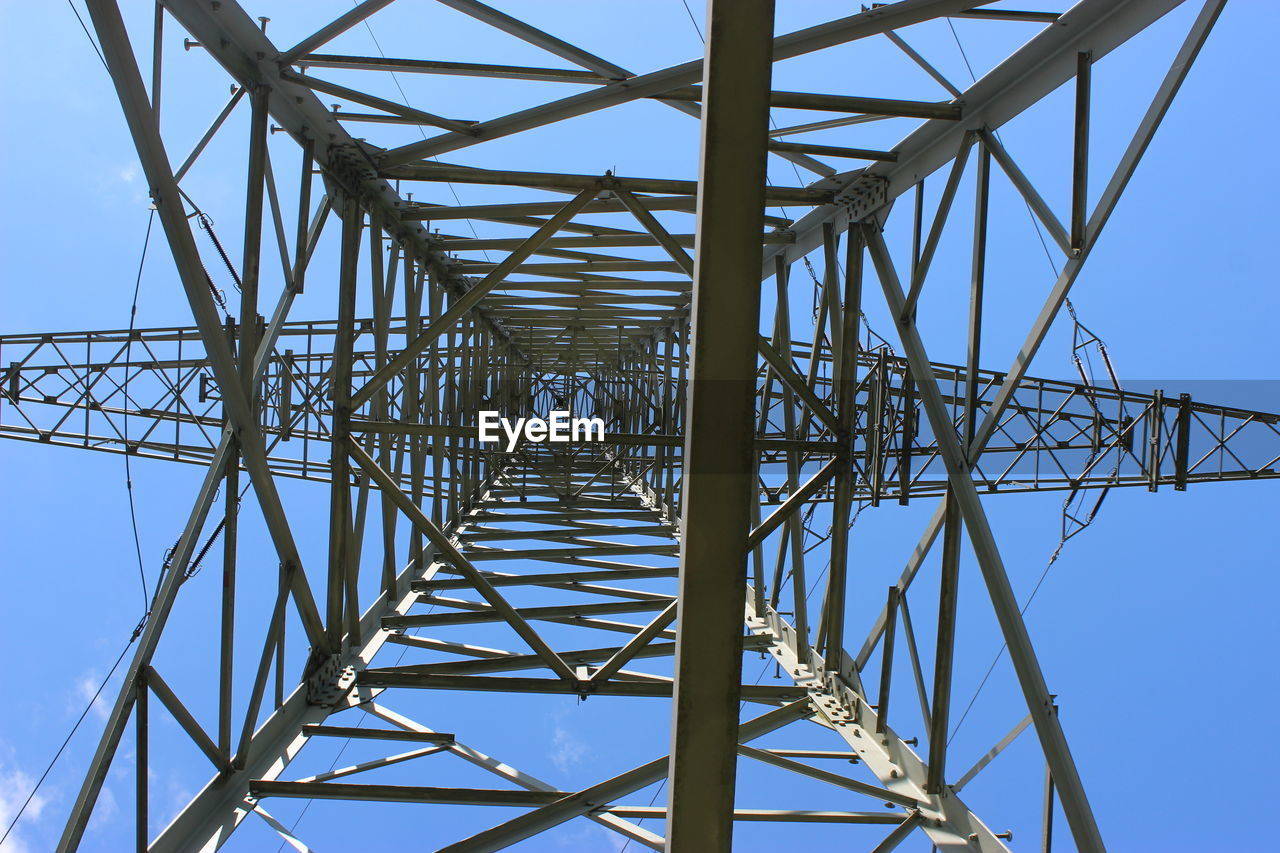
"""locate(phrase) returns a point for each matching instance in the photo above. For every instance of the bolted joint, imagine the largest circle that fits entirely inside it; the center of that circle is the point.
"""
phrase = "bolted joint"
(330, 682)
(863, 197)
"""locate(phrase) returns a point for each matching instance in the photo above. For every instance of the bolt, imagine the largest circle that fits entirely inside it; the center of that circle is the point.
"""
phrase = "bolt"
(264, 22)
(187, 44)
(1007, 835)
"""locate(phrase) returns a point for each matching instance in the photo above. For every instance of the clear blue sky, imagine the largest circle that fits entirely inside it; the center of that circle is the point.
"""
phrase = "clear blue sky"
(1156, 627)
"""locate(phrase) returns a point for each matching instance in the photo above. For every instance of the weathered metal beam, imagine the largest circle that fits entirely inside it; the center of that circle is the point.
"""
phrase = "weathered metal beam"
(363, 98)
(658, 689)
(402, 793)
(1141, 139)
(833, 151)
(319, 730)
(861, 25)
(464, 69)
(588, 799)
(719, 479)
(335, 28)
(464, 304)
(840, 103)
(442, 542)
(1039, 67)
(596, 183)
(1030, 677)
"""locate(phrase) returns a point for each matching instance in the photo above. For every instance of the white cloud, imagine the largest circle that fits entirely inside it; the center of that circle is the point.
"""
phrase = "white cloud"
(583, 835)
(615, 841)
(567, 750)
(86, 686)
(129, 173)
(14, 788)
(104, 811)
(177, 795)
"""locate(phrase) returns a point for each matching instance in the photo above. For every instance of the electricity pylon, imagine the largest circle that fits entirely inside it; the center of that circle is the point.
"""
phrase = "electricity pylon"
(644, 566)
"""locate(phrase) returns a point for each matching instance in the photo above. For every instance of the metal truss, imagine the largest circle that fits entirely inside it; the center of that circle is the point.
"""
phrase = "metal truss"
(1051, 435)
(643, 567)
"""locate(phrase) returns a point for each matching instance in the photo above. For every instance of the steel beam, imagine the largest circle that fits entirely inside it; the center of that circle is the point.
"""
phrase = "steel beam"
(719, 481)
(861, 25)
(1030, 677)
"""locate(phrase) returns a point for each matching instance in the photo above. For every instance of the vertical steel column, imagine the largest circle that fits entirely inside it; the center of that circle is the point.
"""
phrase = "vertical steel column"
(1182, 445)
(948, 587)
(157, 59)
(793, 529)
(682, 400)
(664, 454)
(302, 242)
(830, 290)
(465, 393)
(250, 266)
(719, 442)
(842, 508)
(141, 764)
(340, 497)
(1046, 824)
(435, 299)
(383, 282)
(1080, 154)
(450, 405)
(977, 282)
(414, 282)
(1030, 677)
(886, 665)
(226, 651)
(917, 229)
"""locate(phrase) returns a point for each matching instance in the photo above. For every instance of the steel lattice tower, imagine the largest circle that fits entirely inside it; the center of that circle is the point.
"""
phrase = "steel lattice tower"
(646, 566)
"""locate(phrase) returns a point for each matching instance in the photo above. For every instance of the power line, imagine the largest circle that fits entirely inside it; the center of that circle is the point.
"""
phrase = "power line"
(89, 36)
(1066, 506)
(72, 733)
(128, 470)
(693, 21)
(137, 631)
(396, 79)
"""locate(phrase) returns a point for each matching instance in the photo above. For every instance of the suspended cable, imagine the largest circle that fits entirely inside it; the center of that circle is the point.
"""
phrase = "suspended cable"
(71, 734)
(1079, 343)
(128, 469)
(89, 36)
(693, 21)
(396, 79)
(137, 631)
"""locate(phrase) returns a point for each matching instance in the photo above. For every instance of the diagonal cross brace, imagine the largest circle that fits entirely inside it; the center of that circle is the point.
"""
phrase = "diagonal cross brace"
(1030, 677)
(454, 557)
(168, 200)
(470, 299)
